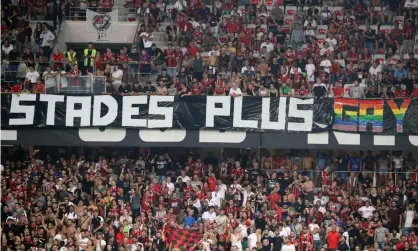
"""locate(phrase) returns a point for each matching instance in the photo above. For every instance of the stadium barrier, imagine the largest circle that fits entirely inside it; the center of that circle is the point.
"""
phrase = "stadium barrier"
(68, 84)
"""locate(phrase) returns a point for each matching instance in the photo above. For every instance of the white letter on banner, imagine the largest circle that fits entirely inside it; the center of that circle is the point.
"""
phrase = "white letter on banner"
(28, 110)
(128, 111)
(51, 100)
(307, 115)
(111, 114)
(265, 115)
(84, 113)
(238, 122)
(167, 112)
(212, 111)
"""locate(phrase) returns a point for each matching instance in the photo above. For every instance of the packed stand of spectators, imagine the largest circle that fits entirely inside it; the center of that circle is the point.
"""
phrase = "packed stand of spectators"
(278, 201)
(23, 46)
(358, 49)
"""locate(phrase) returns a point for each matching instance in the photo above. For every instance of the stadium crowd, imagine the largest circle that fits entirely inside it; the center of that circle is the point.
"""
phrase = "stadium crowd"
(272, 201)
(357, 49)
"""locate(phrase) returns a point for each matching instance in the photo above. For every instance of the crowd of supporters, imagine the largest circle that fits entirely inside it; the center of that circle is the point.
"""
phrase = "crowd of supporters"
(358, 49)
(271, 201)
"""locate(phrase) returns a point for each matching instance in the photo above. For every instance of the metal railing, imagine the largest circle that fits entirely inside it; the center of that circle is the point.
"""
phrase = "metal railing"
(380, 176)
(79, 14)
(67, 84)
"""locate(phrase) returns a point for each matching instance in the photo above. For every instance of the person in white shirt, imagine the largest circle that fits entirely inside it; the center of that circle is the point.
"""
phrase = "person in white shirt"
(331, 40)
(82, 241)
(376, 69)
(254, 238)
(170, 186)
(326, 63)
(47, 40)
(6, 48)
(100, 243)
(126, 217)
(286, 246)
(117, 76)
(147, 38)
(323, 200)
(311, 21)
(180, 5)
(71, 215)
(183, 177)
(235, 91)
(367, 210)
(409, 216)
(268, 44)
(411, 4)
(209, 215)
(220, 190)
(310, 70)
(32, 76)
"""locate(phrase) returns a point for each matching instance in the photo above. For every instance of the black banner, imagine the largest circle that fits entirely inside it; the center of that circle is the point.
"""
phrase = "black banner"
(258, 114)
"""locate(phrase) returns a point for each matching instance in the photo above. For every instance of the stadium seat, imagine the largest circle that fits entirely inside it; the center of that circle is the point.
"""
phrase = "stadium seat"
(385, 28)
(399, 20)
(322, 29)
(291, 10)
(131, 17)
(380, 58)
(377, 11)
(338, 10)
(320, 39)
(288, 20)
(286, 28)
(251, 26)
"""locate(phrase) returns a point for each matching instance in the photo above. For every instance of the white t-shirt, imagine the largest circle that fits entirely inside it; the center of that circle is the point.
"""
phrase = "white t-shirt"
(398, 162)
(252, 240)
(409, 218)
(366, 212)
(100, 243)
(209, 216)
(235, 91)
(288, 247)
(32, 76)
(7, 50)
(326, 64)
(82, 243)
(117, 74)
(71, 216)
(310, 69)
(147, 43)
(269, 46)
(412, 5)
(375, 71)
(184, 179)
(221, 192)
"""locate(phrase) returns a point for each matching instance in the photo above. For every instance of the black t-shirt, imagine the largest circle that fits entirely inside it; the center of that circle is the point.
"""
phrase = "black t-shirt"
(277, 243)
(319, 90)
(124, 89)
(281, 37)
(95, 222)
(134, 56)
(149, 89)
(369, 162)
(370, 33)
(136, 89)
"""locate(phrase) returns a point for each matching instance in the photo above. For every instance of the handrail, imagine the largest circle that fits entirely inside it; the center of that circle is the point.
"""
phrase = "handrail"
(76, 13)
(134, 43)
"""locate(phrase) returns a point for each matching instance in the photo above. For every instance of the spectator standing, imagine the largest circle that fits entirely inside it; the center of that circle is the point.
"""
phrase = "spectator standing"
(47, 40)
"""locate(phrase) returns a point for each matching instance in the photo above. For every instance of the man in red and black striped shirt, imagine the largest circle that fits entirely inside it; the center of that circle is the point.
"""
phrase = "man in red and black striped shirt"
(304, 239)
